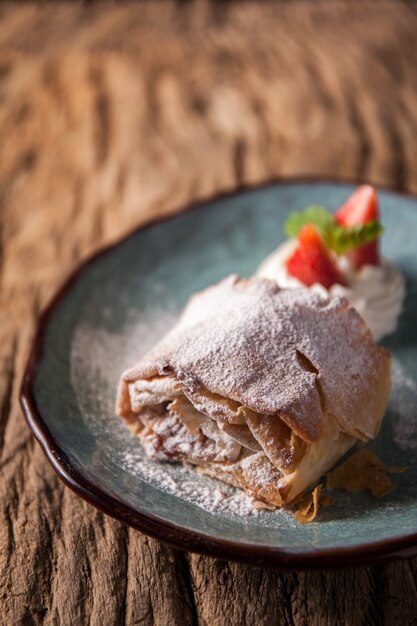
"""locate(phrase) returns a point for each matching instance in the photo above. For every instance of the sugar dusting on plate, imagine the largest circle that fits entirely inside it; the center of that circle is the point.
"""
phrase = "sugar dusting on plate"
(403, 406)
(205, 492)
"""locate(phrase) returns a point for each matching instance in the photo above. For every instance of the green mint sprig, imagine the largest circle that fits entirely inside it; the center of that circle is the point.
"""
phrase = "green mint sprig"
(344, 238)
(336, 237)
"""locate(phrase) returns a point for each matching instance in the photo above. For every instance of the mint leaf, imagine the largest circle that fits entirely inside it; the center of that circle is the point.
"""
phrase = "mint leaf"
(344, 238)
(336, 237)
(316, 215)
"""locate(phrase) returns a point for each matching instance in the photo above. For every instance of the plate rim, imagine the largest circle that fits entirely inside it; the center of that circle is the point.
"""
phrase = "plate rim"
(168, 532)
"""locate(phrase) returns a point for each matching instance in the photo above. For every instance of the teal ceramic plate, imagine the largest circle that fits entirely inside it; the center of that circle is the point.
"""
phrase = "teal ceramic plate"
(120, 302)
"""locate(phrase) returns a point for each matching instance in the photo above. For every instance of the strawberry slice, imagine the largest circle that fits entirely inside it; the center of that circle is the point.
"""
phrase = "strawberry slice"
(311, 263)
(360, 208)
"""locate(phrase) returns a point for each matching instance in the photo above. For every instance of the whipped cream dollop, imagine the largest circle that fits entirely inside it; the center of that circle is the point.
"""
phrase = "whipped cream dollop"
(376, 292)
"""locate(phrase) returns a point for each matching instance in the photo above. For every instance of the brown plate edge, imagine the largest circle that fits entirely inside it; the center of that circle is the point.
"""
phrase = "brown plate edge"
(163, 530)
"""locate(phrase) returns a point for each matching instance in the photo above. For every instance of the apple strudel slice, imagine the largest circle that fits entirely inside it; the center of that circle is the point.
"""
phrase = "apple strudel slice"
(260, 387)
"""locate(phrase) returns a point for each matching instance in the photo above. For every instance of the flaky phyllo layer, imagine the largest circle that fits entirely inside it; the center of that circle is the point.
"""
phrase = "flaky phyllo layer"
(262, 388)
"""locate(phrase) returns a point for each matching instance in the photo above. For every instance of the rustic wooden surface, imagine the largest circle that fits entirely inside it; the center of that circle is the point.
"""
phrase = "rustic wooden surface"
(110, 115)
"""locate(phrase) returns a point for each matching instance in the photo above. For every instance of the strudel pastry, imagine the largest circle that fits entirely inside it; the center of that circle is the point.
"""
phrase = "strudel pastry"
(260, 387)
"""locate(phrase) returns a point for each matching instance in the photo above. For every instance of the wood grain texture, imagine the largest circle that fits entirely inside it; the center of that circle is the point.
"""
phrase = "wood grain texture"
(108, 116)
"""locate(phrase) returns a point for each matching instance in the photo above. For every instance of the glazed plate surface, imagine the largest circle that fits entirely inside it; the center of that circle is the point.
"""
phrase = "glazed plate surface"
(123, 300)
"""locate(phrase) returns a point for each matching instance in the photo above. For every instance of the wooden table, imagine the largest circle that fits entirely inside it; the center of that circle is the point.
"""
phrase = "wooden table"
(110, 115)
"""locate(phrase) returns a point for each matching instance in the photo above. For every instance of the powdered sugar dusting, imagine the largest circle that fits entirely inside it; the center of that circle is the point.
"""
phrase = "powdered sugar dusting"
(241, 339)
(403, 407)
(191, 486)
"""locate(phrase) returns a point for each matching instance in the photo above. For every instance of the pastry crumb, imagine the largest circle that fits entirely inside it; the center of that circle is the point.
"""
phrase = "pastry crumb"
(363, 471)
(360, 472)
(310, 504)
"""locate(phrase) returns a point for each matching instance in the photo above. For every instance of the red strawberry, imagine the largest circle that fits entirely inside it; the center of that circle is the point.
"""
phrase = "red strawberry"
(360, 208)
(311, 263)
